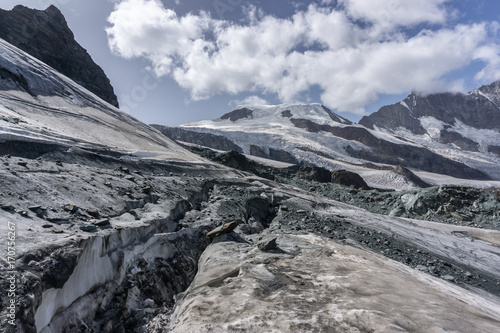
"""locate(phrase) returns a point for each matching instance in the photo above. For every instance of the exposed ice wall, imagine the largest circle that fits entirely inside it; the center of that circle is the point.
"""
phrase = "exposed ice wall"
(102, 267)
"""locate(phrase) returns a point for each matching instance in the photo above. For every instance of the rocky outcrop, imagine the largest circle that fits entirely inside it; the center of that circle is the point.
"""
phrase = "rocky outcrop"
(258, 151)
(454, 138)
(238, 114)
(234, 160)
(494, 149)
(392, 153)
(347, 178)
(282, 156)
(335, 117)
(308, 172)
(410, 176)
(16, 78)
(274, 154)
(218, 142)
(478, 109)
(45, 35)
(392, 117)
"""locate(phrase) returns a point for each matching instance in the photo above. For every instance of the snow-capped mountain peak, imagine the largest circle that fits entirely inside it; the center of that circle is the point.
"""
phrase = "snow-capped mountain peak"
(276, 114)
(312, 134)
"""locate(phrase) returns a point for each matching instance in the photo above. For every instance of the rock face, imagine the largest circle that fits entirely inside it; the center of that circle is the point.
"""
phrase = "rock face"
(386, 151)
(46, 36)
(237, 114)
(478, 109)
(443, 115)
(206, 139)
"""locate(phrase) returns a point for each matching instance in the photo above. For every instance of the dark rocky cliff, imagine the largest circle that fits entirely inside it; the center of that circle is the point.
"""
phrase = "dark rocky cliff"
(203, 139)
(479, 109)
(45, 35)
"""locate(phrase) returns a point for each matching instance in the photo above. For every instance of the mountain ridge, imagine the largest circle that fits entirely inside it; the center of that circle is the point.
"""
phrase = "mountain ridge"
(45, 35)
(311, 133)
(478, 109)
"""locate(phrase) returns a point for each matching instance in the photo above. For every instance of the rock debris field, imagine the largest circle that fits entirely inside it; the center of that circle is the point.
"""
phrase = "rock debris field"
(110, 242)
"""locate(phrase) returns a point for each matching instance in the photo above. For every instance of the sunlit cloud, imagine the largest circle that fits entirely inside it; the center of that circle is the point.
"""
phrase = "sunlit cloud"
(353, 52)
(250, 100)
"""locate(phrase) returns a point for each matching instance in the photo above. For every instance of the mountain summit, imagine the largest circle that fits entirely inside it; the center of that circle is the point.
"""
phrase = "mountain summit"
(274, 113)
(468, 121)
(45, 35)
(311, 134)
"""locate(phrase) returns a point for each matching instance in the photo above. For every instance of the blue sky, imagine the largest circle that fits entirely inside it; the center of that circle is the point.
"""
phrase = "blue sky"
(175, 61)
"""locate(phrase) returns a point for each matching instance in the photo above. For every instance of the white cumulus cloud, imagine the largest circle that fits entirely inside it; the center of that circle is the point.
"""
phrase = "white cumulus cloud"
(398, 12)
(250, 100)
(322, 46)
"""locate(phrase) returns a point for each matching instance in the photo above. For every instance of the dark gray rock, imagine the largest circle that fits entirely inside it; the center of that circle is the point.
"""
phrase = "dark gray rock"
(70, 208)
(238, 114)
(45, 35)
(203, 139)
(102, 223)
(258, 151)
(274, 154)
(336, 117)
(347, 178)
(93, 213)
(268, 244)
(451, 137)
(282, 156)
(88, 228)
(479, 109)
(494, 149)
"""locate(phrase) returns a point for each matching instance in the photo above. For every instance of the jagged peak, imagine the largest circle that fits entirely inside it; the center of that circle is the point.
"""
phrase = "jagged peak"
(45, 35)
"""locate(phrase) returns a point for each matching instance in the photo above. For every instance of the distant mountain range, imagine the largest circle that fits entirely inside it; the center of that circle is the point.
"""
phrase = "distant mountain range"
(467, 121)
(452, 135)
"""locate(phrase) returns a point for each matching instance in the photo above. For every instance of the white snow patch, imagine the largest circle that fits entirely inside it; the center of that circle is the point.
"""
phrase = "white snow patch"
(438, 179)
(486, 162)
(403, 103)
(433, 126)
(485, 137)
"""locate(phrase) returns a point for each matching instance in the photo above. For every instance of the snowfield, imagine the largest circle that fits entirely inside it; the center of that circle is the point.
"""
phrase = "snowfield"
(55, 109)
(271, 127)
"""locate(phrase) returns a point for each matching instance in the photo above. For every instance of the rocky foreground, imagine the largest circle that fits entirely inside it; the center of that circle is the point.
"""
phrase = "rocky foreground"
(107, 242)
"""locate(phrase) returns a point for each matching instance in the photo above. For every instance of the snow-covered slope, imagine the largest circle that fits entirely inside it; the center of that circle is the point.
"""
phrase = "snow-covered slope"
(311, 133)
(39, 104)
(463, 127)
